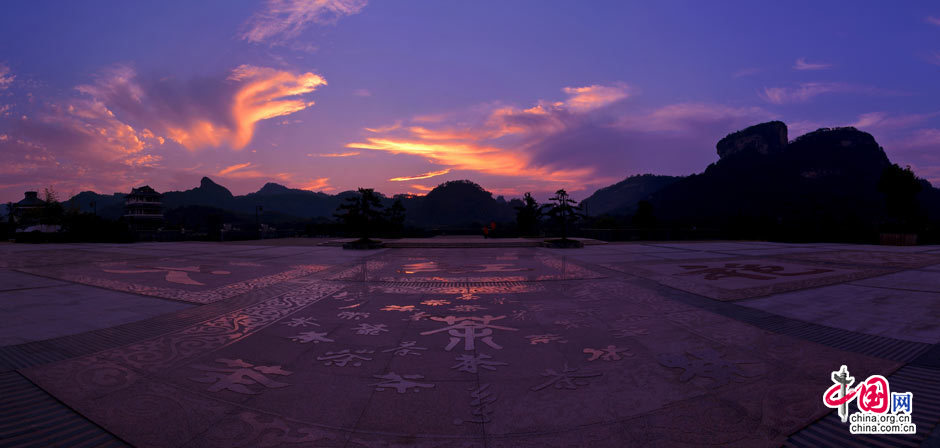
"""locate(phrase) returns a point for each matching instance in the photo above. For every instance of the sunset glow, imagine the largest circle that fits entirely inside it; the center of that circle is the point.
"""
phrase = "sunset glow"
(420, 91)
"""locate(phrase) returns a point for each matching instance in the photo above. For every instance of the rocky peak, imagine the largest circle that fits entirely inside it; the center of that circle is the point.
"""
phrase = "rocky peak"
(764, 138)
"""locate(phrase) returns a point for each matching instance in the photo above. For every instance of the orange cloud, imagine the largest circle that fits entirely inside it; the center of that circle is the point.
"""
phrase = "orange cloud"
(232, 168)
(467, 156)
(388, 128)
(320, 184)
(340, 154)
(501, 140)
(420, 176)
(420, 187)
(583, 99)
(196, 117)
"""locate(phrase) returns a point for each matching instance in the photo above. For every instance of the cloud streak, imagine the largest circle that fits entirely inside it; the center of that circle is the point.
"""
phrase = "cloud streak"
(282, 20)
(806, 92)
(420, 176)
(801, 64)
(339, 154)
(6, 77)
(232, 168)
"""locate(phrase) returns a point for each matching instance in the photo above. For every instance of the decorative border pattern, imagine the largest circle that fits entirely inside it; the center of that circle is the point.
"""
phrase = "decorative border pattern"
(200, 297)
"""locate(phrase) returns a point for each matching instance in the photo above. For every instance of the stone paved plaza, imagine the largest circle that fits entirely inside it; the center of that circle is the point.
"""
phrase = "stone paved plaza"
(287, 343)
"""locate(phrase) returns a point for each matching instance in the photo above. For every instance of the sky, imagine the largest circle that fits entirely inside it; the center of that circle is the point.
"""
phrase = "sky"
(400, 96)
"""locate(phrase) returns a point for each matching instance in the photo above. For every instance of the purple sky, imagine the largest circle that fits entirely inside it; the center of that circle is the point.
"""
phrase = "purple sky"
(329, 95)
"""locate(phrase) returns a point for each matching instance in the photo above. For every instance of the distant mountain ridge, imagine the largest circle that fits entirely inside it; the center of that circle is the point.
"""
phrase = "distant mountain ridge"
(621, 198)
(826, 178)
(451, 204)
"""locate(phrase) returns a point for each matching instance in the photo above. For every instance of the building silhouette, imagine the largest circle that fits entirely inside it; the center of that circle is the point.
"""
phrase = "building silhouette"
(29, 214)
(143, 211)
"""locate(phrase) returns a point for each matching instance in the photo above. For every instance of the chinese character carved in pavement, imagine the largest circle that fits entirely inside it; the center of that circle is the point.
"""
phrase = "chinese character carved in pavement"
(611, 353)
(520, 314)
(406, 348)
(503, 301)
(706, 363)
(370, 329)
(352, 315)
(407, 308)
(436, 302)
(301, 322)
(344, 357)
(401, 383)
(481, 406)
(749, 271)
(468, 296)
(546, 338)
(417, 316)
(471, 363)
(311, 336)
(238, 374)
(469, 329)
(567, 378)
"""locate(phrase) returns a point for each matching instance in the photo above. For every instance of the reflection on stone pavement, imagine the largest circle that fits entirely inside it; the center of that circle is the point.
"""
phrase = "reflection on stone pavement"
(461, 347)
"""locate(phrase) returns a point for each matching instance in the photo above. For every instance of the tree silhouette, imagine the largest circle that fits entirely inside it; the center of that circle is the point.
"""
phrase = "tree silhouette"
(644, 216)
(396, 216)
(52, 210)
(900, 187)
(528, 215)
(564, 210)
(363, 212)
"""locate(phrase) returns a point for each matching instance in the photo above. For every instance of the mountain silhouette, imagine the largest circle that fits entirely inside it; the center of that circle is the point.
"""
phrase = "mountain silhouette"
(621, 198)
(459, 203)
(822, 185)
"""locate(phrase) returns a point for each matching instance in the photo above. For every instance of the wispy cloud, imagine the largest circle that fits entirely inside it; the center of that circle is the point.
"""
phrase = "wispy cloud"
(282, 20)
(420, 187)
(382, 129)
(421, 176)
(749, 71)
(933, 58)
(6, 77)
(922, 138)
(686, 117)
(319, 184)
(933, 20)
(583, 99)
(807, 91)
(232, 168)
(802, 64)
(884, 121)
(208, 112)
(338, 154)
